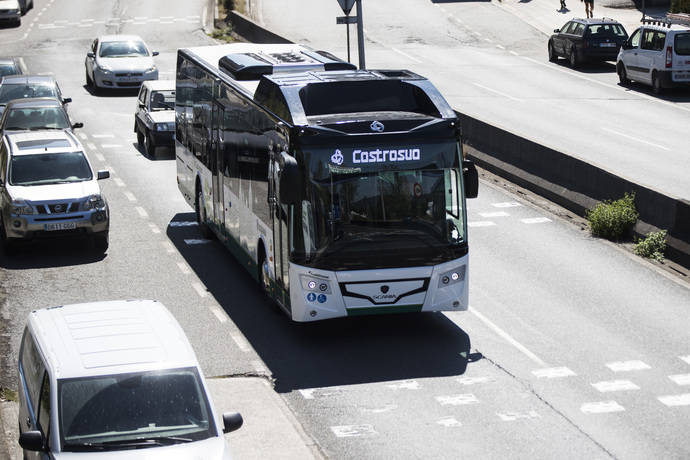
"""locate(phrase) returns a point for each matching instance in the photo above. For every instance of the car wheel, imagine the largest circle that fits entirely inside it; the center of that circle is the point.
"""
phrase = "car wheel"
(92, 85)
(149, 145)
(553, 57)
(140, 138)
(263, 274)
(656, 84)
(574, 61)
(101, 241)
(623, 75)
(87, 78)
(201, 214)
(9, 246)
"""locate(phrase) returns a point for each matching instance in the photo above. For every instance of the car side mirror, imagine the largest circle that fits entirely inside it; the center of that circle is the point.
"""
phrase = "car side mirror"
(32, 440)
(66, 100)
(471, 178)
(103, 174)
(626, 45)
(556, 31)
(155, 53)
(90, 54)
(232, 421)
(78, 124)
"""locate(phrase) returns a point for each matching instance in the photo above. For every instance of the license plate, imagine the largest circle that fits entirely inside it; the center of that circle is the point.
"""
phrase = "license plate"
(681, 76)
(129, 79)
(607, 45)
(60, 226)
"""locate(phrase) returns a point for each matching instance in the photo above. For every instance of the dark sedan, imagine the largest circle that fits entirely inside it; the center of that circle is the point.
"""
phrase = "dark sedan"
(581, 40)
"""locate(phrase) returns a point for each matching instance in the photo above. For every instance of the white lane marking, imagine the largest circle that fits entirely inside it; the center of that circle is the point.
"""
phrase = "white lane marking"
(406, 55)
(449, 422)
(239, 340)
(169, 248)
(507, 337)
(308, 393)
(130, 196)
(380, 410)
(182, 223)
(601, 407)
(553, 373)
(513, 53)
(91, 145)
(349, 431)
(473, 380)
(494, 214)
(142, 212)
(627, 366)
(405, 385)
(100, 157)
(497, 92)
(488, 40)
(184, 268)
(636, 139)
(675, 400)
(200, 289)
(615, 385)
(196, 241)
(500, 47)
(481, 223)
(103, 136)
(513, 416)
(118, 182)
(154, 229)
(535, 220)
(680, 379)
(111, 146)
(685, 358)
(508, 204)
(83, 136)
(457, 400)
(259, 367)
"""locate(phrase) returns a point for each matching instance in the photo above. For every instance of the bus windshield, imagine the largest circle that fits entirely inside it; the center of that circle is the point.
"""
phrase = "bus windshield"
(377, 219)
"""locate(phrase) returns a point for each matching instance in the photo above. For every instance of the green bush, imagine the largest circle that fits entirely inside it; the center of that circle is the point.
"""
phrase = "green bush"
(680, 6)
(652, 246)
(613, 219)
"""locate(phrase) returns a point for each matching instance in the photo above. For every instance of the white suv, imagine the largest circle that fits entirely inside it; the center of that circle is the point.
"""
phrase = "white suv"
(115, 379)
(657, 54)
(48, 188)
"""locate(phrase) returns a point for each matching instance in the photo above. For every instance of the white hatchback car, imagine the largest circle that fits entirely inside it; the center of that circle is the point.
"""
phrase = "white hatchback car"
(115, 379)
(657, 54)
(119, 61)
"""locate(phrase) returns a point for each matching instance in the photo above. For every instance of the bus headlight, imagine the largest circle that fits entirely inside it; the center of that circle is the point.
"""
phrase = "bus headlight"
(457, 275)
(315, 285)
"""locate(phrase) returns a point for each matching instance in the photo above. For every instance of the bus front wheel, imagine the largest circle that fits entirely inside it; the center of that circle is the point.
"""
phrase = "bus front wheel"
(201, 214)
(263, 274)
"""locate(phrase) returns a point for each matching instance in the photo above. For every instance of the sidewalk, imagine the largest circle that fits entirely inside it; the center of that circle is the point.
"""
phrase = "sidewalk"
(545, 15)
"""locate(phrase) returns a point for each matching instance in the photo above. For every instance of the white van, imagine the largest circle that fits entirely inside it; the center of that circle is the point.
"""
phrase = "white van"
(657, 54)
(114, 379)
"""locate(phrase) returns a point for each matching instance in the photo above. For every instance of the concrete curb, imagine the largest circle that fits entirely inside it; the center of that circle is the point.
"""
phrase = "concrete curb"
(251, 31)
(9, 434)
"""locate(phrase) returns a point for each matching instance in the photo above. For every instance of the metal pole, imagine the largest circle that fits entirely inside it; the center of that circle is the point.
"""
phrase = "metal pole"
(348, 38)
(360, 35)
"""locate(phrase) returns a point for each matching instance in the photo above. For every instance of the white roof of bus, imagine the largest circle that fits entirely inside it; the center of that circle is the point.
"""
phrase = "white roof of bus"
(103, 338)
(212, 54)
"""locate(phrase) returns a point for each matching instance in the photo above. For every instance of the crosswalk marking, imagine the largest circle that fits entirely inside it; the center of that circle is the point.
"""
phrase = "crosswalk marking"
(513, 416)
(627, 366)
(535, 220)
(553, 373)
(601, 407)
(675, 400)
(449, 422)
(481, 224)
(681, 379)
(488, 215)
(406, 385)
(473, 380)
(509, 204)
(457, 400)
(348, 431)
(615, 385)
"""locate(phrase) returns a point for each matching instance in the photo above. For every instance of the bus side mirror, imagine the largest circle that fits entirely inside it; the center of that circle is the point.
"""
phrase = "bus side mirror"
(471, 178)
(288, 183)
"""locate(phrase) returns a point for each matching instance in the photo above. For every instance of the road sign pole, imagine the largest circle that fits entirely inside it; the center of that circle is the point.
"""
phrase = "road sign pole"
(348, 40)
(360, 35)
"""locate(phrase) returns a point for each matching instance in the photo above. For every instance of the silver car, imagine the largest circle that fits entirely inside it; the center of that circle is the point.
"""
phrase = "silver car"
(48, 188)
(10, 11)
(154, 118)
(119, 61)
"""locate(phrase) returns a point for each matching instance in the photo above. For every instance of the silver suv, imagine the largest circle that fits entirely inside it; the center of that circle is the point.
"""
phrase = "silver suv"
(48, 188)
(657, 54)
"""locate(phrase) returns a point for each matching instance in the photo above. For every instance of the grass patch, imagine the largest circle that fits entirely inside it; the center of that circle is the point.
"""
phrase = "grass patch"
(613, 219)
(652, 246)
(223, 34)
(8, 395)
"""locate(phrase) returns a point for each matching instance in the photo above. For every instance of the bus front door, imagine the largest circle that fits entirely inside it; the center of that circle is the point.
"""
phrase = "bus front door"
(280, 238)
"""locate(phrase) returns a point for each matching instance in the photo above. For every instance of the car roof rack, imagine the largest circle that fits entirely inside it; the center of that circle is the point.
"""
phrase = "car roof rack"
(670, 19)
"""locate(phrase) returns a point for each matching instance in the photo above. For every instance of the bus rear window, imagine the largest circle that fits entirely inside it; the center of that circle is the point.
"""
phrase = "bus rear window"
(682, 44)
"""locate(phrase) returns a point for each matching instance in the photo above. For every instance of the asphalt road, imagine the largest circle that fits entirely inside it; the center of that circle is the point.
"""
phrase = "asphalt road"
(572, 348)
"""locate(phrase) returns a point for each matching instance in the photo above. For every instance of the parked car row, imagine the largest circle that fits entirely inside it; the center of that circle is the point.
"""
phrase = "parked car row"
(657, 53)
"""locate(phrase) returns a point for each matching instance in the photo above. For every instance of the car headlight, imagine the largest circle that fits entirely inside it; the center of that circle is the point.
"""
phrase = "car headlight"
(152, 69)
(104, 68)
(21, 207)
(94, 202)
(165, 126)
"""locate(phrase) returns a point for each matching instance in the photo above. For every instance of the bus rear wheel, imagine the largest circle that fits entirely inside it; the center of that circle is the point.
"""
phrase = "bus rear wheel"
(201, 214)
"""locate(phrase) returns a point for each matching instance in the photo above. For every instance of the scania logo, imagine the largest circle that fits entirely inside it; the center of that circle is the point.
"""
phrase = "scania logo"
(384, 289)
(377, 126)
(337, 157)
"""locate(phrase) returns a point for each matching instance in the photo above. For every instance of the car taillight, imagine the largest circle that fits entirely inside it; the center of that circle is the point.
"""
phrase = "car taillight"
(669, 57)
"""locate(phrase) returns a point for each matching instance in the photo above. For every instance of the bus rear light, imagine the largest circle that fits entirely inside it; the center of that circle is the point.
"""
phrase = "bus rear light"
(669, 57)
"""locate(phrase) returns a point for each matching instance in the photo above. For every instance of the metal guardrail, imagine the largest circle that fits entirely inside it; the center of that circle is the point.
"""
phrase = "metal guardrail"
(668, 20)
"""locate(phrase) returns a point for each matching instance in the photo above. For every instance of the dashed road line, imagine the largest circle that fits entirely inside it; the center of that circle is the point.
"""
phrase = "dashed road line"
(91, 146)
(100, 157)
(349, 431)
(675, 400)
(239, 340)
(103, 136)
(681, 379)
(259, 367)
(601, 407)
(449, 422)
(513, 416)
(200, 289)
(507, 204)
(481, 223)
(636, 139)
(553, 373)
(406, 385)
(500, 93)
(168, 246)
(473, 380)
(111, 146)
(402, 53)
(130, 196)
(154, 228)
(488, 215)
(118, 182)
(685, 358)
(627, 366)
(535, 220)
(615, 385)
(514, 53)
(82, 136)
(142, 212)
(380, 410)
(457, 400)
(184, 268)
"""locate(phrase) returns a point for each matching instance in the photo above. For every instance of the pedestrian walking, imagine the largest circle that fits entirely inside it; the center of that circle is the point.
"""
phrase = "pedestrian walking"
(563, 7)
(589, 8)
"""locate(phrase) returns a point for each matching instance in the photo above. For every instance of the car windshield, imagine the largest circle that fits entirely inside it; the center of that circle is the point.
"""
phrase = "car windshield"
(163, 100)
(606, 31)
(36, 118)
(49, 168)
(8, 69)
(682, 44)
(9, 91)
(123, 49)
(143, 409)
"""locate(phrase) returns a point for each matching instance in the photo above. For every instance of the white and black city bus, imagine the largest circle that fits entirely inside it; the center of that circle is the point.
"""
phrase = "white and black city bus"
(341, 190)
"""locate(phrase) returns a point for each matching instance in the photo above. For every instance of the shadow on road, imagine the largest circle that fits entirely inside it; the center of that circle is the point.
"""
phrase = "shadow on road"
(53, 252)
(107, 92)
(161, 154)
(337, 352)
